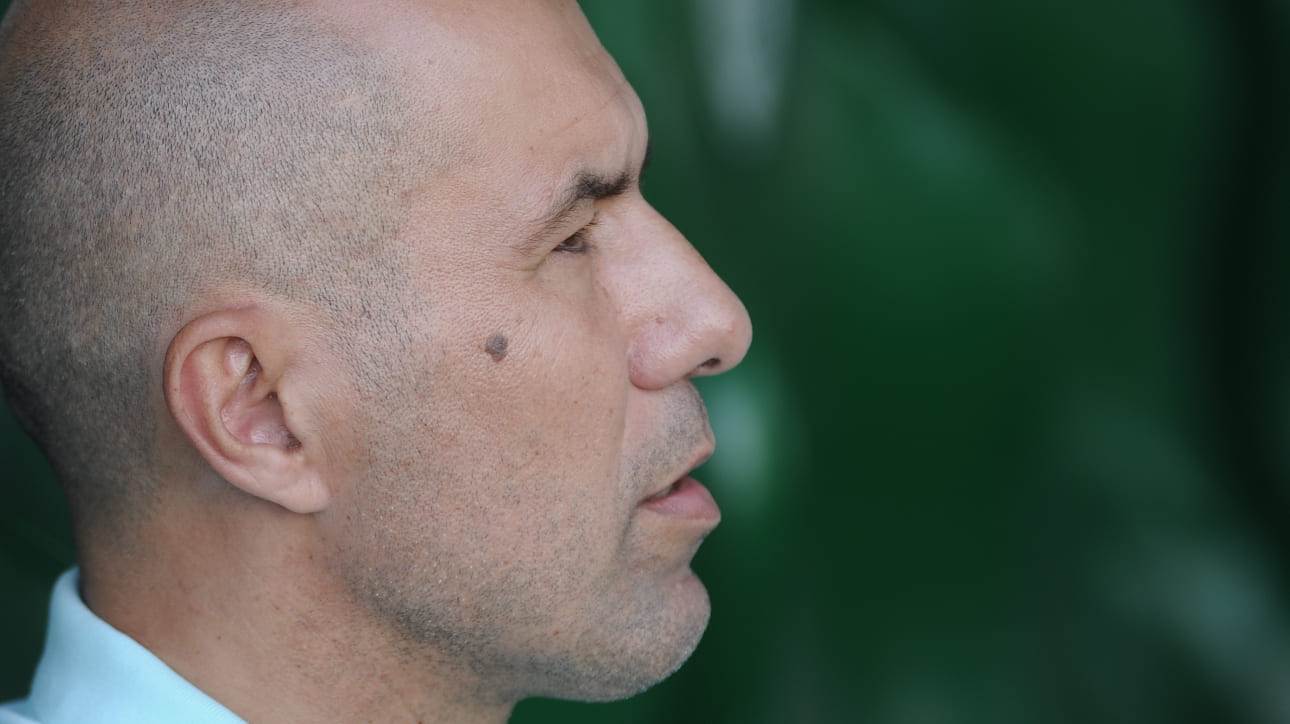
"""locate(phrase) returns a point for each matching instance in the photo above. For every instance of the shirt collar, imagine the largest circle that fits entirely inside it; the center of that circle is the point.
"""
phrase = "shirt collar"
(92, 672)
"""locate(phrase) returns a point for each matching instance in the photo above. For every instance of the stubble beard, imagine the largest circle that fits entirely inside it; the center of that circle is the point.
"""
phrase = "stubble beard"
(512, 634)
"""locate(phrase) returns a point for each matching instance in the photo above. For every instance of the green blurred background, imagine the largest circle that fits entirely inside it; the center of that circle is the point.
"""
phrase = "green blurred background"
(1013, 440)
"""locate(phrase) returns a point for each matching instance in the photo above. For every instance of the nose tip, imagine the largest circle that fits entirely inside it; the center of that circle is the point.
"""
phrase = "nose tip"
(699, 327)
(731, 340)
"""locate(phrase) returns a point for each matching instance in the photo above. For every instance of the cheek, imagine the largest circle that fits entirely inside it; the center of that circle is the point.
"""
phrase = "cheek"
(504, 473)
(534, 386)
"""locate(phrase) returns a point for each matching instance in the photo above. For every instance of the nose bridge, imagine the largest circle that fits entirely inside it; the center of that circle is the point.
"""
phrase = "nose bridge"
(683, 320)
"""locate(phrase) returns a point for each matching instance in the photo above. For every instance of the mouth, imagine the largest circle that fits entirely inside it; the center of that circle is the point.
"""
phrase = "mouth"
(686, 442)
(685, 498)
(694, 462)
(666, 491)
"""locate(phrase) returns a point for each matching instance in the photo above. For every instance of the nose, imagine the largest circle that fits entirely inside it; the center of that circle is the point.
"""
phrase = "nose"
(682, 319)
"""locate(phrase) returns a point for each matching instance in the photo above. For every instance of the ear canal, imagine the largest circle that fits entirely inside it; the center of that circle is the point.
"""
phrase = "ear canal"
(252, 412)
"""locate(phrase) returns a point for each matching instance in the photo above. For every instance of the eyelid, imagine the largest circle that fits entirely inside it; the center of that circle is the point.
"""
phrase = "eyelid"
(583, 243)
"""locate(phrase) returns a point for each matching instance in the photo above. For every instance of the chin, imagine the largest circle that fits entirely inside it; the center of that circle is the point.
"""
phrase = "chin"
(639, 653)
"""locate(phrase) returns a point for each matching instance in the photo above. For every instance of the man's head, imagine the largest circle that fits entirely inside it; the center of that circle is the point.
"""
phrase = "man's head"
(148, 158)
(368, 292)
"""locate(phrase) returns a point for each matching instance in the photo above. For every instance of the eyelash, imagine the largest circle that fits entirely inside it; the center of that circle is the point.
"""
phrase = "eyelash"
(578, 243)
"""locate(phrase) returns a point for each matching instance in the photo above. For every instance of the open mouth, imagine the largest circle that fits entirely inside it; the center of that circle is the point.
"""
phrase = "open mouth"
(685, 499)
(665, 491)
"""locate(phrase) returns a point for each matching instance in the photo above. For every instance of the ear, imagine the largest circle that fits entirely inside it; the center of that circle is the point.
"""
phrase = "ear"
(225, 387)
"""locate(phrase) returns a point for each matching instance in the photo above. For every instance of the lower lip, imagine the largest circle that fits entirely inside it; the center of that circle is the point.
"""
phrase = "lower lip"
(688, 500)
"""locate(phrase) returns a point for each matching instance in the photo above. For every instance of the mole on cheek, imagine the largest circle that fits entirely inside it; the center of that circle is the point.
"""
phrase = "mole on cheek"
(496, 347)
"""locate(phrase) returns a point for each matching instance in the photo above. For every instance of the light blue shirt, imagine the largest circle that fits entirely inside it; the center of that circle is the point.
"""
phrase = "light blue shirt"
(91, 673)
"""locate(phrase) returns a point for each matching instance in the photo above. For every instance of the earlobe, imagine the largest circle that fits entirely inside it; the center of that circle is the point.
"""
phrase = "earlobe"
(225, 389)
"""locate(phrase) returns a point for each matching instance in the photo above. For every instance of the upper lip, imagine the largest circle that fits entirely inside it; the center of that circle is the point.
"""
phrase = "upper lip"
(694, 461)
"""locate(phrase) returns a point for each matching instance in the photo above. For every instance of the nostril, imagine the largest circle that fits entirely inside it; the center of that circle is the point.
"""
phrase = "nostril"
(712, 363)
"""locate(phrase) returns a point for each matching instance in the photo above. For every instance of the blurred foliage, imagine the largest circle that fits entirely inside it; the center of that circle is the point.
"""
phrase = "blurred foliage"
(1013, 440)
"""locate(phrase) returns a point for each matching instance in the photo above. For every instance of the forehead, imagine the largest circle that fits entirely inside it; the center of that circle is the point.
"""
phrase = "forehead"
(521, 90)
(485, 69)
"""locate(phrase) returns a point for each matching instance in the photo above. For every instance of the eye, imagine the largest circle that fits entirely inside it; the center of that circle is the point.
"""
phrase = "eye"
(578, 242)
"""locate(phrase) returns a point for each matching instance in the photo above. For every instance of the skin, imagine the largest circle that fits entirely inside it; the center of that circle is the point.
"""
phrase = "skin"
(434, 526)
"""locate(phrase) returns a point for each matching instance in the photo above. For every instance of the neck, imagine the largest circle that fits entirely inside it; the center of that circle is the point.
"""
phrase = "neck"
(271, 636)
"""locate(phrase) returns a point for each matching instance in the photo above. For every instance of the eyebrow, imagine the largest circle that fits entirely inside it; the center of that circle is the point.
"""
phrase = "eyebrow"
(586, 186)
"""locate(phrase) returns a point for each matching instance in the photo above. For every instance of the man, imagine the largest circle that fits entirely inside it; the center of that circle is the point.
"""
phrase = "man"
(362, 361)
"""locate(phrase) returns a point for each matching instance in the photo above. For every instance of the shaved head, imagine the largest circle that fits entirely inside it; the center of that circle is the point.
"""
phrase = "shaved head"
(148, 152)
(365, 364)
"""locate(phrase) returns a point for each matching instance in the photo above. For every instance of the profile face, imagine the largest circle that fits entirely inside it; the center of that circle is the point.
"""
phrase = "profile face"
(522, 506)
